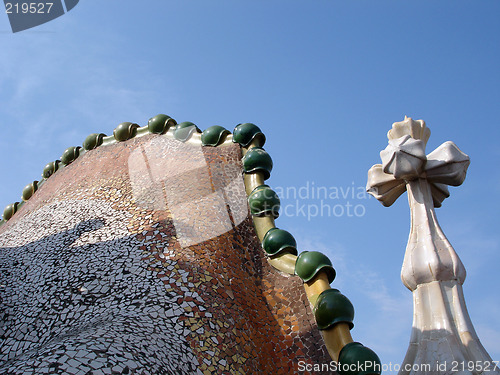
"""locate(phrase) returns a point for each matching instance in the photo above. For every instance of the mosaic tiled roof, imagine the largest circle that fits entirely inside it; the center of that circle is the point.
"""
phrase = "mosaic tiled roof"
(146, 252)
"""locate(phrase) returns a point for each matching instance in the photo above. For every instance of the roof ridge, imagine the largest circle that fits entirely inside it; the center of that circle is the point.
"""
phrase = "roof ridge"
(160, 124)
(334, 313)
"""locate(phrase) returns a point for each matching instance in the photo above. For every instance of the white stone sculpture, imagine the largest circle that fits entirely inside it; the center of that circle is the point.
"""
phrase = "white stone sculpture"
(443, 339)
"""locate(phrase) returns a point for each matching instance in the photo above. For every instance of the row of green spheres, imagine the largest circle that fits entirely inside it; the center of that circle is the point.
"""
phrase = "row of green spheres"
(158, 124)
(331, 307)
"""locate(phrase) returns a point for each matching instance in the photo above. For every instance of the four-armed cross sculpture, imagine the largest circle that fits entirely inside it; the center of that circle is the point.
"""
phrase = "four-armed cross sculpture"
(443, 335)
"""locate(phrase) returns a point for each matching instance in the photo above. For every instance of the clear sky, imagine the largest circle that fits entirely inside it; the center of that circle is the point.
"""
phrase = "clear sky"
(324, 80)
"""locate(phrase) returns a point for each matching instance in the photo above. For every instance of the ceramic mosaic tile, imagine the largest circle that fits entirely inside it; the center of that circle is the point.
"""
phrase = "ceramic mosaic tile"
(141, 258)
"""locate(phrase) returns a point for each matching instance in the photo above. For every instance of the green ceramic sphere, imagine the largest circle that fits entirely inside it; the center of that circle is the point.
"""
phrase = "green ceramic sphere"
(184, 130)
(10, 210)
(264, 201)
(70, 154)
(29, 190)
(125, 131)
(333, 307)
(356, 359)
(310, 263)
(277, 241)
(159, 124)
(94, 140)
(213, 135)
(244, 134)
(258, 160)
(50, 169)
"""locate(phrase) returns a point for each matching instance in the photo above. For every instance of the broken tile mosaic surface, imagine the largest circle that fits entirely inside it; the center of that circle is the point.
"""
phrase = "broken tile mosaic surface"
(141, 257)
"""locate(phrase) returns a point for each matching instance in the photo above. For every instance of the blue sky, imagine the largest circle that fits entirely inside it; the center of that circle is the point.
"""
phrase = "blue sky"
(323, 79)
